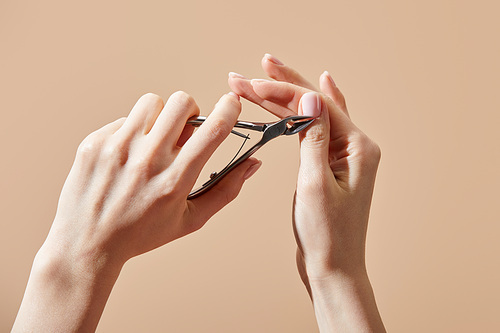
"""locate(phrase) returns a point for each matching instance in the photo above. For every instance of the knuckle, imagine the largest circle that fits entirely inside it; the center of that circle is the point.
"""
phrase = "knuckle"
(90, 145)
(153, 100)
(369, 149)
(316, 136)
(183, 99)
(146, 164)
(142, 166)
(115, 151)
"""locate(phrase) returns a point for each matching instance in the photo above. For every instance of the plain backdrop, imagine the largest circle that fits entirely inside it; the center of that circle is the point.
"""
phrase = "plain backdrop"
(420, 77)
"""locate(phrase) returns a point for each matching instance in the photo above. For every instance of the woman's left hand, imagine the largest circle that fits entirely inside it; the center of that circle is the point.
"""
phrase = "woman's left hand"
(126, 194)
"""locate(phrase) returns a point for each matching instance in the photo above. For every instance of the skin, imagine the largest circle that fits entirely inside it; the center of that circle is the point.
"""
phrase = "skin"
(126, 195)
(338, 164)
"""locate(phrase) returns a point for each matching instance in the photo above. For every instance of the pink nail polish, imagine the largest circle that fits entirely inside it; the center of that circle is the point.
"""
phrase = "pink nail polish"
(329, 78)
(273, 59)
(236, 75)
(311, 104)
(251, 170)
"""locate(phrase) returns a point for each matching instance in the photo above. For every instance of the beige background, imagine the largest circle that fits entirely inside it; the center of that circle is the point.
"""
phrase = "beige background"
(421, 78)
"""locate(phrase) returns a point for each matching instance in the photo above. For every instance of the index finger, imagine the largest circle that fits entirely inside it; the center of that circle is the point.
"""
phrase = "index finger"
(281, 72)
(243, 87)
(202, 144)
(280, 96)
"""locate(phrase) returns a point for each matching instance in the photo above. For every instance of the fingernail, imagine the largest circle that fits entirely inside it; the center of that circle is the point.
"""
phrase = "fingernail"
(273, 59)
(234, 95)
(236, 75)
(329, 78)
(311, 104)
(257, 81)
(251, 170)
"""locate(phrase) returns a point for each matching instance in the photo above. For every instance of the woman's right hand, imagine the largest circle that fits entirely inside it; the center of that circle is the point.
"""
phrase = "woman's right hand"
(338, 164)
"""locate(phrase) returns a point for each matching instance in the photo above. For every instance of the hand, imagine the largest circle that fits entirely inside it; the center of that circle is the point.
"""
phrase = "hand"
(338, 163)
(337, 168)
(126, 195)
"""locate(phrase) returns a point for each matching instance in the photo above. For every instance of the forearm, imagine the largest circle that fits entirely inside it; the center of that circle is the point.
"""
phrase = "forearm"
(345, 303)
(65, 294)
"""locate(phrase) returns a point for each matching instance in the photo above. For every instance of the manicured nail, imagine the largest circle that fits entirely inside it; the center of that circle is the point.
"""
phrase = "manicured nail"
(257, 81)
(236, 75)
(311, 104)
(329, 78)
(273, 59)
(251, 170)
(234, 95)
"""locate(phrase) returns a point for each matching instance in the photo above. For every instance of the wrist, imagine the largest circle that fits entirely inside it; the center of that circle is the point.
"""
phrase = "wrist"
(339, 279)
(65, 292)
(76, 269)
(76, 261)
(345, 300)
(325, 267)
(82, 253)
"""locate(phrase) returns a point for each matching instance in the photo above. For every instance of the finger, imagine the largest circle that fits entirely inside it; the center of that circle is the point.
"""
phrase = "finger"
(243, 87)
(329, 88)
(280, 72)
(172, 120)
(288, 96)
(315, 140)
(198, 149)
(143, 115)
(206, 205)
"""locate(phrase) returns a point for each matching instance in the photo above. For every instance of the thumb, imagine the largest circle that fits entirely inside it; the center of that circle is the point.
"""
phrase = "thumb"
(315, 140)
